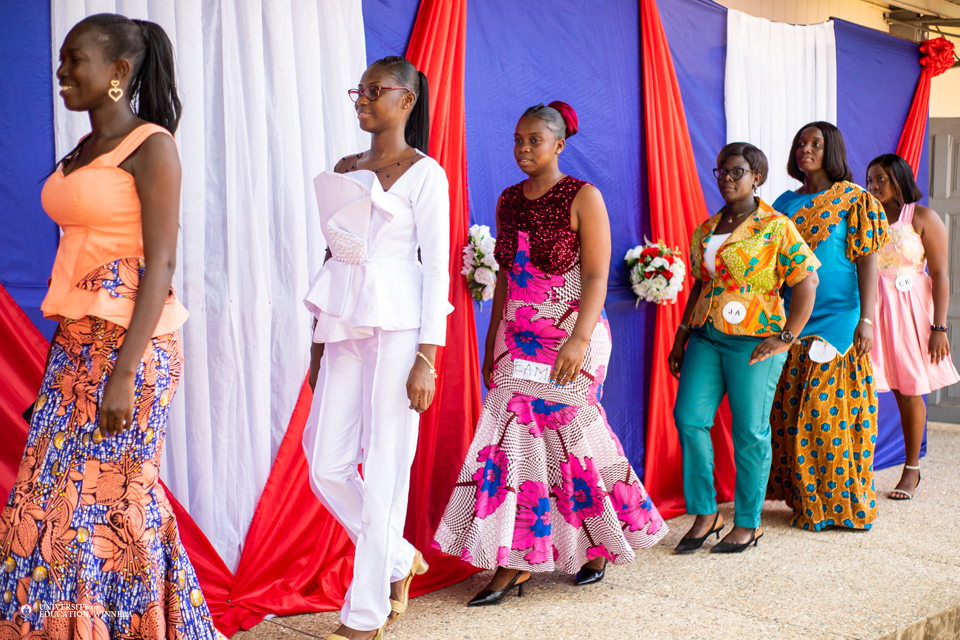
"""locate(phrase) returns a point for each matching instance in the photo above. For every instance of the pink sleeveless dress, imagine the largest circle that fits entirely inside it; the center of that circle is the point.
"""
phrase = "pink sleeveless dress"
(901, 360)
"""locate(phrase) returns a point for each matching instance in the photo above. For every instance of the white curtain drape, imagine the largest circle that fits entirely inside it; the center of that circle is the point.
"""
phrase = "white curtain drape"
(778, 78)
(264, 87)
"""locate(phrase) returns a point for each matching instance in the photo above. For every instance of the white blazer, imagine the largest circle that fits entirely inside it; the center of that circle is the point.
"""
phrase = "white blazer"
(374, 278)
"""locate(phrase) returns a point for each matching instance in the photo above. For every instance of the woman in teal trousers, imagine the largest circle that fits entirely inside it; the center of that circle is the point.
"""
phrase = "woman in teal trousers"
(733, 340)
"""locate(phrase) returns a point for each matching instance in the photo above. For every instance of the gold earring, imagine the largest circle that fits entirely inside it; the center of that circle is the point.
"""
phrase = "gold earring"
(115, 91)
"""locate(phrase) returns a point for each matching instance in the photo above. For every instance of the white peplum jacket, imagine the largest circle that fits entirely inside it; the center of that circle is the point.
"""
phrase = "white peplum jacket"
(374, 279)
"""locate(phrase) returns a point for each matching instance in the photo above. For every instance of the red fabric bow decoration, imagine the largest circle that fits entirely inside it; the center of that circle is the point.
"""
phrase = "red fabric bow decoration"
(937, 56)
(568, 114)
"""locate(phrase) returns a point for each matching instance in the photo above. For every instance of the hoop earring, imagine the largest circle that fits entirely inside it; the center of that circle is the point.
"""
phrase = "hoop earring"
(115, 91)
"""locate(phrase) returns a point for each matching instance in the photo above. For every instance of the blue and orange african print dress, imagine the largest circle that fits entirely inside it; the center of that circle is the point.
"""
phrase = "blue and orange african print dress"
(824, 416)
(89, 544)
(545, 484)
(88, 540)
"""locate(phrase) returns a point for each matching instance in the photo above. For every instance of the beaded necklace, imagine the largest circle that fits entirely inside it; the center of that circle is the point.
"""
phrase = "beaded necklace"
(378, 169)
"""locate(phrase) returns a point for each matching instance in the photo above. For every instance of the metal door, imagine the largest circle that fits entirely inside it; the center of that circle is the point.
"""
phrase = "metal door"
(944, 404)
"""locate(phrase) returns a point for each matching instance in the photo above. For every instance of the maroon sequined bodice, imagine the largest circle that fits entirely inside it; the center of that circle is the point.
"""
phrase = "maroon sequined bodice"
(553, 246)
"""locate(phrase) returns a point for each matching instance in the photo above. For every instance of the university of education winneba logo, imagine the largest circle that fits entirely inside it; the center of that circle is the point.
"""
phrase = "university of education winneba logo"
(26, 610)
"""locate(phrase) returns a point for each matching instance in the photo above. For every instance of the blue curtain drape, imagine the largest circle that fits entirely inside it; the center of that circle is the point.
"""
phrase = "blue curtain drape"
(29, 239)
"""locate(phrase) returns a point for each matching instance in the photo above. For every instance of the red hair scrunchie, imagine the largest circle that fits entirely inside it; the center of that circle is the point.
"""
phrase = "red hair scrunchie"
(568, 114)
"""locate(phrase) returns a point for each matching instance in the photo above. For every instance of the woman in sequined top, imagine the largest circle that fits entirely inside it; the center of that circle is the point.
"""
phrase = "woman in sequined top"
(911, 355)
(546, 485)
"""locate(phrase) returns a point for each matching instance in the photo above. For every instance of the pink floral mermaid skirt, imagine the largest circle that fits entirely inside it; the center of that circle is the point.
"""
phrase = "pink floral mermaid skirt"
(546, 484)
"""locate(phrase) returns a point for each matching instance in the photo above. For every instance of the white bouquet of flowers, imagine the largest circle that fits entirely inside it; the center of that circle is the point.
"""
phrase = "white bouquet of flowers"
(479, 265)
(657, 272)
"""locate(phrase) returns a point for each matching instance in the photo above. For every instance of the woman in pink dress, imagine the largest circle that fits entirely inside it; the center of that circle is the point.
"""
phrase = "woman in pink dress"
(911, 355)
(546, 485)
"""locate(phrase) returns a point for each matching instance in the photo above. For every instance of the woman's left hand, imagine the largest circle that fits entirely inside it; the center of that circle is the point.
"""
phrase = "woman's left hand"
(569, 360)
(862, 340)
(116, 409)
(420, 386)
(939, 347)
(769, 347)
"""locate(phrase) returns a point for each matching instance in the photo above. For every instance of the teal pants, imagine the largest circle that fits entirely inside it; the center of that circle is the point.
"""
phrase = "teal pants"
(715, 364)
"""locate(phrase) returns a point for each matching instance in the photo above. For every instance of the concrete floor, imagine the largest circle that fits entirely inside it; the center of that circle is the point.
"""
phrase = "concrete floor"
(891, 582)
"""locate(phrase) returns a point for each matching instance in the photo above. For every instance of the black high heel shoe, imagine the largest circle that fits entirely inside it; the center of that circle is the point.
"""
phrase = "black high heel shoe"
(734, 547)
(590, 576)
(487, 597)
(689, 545)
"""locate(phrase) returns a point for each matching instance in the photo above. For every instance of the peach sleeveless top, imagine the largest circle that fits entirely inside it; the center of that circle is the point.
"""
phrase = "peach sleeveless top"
(100, 261)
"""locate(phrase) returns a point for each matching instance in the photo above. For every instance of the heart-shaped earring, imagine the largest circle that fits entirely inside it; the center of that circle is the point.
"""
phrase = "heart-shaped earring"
(115, 91)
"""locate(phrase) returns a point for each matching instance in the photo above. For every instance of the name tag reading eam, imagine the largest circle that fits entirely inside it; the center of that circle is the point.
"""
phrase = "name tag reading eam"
(533, 371)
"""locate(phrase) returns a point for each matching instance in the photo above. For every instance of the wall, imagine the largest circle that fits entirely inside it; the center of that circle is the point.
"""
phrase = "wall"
(811, 11)
(945, 91)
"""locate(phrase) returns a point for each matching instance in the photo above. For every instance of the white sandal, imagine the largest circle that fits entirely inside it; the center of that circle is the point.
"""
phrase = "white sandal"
(903, 492)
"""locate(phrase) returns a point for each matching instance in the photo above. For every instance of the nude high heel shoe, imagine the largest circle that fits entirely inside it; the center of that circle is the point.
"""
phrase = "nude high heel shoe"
(419, 568)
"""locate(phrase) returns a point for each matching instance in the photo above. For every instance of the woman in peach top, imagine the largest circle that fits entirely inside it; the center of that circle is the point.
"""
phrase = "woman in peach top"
(87, 526)
(911, 355)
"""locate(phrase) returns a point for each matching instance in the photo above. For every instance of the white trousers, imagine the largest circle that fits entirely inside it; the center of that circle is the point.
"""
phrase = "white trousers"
(361, 414)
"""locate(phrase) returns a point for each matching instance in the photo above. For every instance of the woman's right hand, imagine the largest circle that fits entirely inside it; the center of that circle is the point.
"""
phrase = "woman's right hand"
(487, 369)
(675, 359)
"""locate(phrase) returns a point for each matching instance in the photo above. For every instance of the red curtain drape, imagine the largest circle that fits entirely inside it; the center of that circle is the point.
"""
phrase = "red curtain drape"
(23, 350)
(936, 57)
(677, 206)
(438, 49)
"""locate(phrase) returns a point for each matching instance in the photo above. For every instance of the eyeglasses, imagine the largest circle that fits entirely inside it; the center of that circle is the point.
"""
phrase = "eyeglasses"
(736, 173)
(371, 93)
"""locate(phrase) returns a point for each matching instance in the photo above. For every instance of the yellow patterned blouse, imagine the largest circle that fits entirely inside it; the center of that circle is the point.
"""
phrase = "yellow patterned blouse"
(762, 254)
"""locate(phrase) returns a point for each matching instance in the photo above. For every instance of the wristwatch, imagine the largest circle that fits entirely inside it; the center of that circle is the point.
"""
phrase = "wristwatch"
(787, 336)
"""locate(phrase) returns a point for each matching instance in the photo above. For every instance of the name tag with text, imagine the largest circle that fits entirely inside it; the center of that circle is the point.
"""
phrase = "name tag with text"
(533, 371)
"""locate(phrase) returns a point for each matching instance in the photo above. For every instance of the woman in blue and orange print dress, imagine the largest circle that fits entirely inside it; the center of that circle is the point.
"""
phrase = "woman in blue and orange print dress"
(546, 484)
(88, 540)
(824, 416)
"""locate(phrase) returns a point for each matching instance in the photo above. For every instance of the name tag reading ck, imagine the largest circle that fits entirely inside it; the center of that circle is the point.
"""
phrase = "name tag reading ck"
(533, 371)
(904, 282)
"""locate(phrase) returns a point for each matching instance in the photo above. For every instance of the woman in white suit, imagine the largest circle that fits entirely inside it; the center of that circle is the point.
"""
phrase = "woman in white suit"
(380, 314)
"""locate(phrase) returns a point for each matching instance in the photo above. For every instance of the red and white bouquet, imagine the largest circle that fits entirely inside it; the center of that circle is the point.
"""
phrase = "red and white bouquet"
(657, 272)
(479, 265)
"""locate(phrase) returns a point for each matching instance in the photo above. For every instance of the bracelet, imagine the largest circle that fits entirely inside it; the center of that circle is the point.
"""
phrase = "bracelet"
(867, 321)
(429, 364)
(938, 327)
(684, 327)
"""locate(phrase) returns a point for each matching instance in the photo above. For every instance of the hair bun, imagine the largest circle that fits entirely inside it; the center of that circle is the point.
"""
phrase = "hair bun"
(568, 114)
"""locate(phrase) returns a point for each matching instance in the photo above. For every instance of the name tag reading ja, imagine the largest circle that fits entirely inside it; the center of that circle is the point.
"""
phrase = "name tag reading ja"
(734, 312)
(904, 282)
(533, 371)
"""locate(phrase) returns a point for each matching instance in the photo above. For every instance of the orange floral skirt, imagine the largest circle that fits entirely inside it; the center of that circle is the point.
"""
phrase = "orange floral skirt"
(88, 541)
(824, 429)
